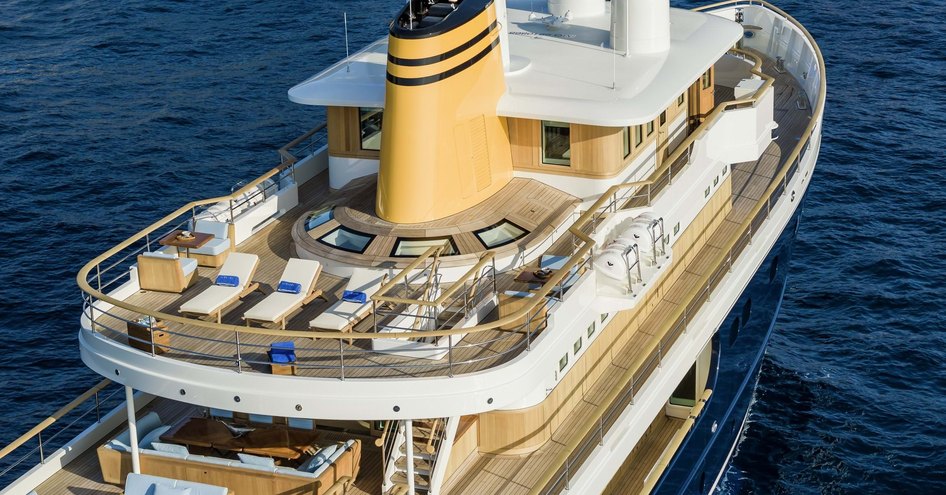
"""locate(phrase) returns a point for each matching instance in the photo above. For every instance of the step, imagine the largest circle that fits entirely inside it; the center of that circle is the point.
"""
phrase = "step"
(420, 483)
(419, 454)
(421, 466)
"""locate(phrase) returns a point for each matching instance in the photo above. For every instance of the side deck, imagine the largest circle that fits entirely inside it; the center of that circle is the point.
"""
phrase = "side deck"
(512, 475)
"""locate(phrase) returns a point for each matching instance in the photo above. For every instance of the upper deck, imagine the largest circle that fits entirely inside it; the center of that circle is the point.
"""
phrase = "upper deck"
(599, 87)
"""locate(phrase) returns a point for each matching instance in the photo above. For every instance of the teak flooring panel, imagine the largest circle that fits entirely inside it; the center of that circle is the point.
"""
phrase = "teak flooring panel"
(634, 472)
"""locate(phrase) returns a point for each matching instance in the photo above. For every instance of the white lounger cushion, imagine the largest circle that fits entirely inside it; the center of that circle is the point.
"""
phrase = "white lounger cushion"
(343, 313)
(297, 270)
(212, 298)
(213, 247)
(141, 484)
(218, 229)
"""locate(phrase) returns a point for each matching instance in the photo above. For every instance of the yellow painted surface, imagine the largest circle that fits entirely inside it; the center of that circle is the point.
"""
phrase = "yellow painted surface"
(443, 149)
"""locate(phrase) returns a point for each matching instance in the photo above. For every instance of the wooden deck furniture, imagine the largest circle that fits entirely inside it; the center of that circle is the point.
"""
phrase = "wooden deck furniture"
(147, 337)
(270, 441)
(216, 298)
(163, 272)
(278, 306)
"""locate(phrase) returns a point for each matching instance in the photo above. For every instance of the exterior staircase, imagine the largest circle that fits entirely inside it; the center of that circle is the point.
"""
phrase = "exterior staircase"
(412, 449)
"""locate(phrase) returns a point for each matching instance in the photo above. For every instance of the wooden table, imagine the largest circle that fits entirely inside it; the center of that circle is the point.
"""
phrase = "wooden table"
(141, 336)
(197, 240)
(272, 441)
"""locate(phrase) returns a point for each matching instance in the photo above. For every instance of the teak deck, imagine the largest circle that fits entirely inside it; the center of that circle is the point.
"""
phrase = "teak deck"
(479, 474)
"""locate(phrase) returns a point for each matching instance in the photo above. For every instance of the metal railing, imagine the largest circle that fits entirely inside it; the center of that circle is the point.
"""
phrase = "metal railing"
(576, 450)
(340, 360)
(100, 400)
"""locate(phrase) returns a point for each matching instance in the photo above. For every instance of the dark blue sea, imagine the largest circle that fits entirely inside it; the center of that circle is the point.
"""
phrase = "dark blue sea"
(113, 114)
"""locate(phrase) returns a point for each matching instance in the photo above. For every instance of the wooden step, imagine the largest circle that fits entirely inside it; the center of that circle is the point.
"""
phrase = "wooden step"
(420, 483)
(421, 466)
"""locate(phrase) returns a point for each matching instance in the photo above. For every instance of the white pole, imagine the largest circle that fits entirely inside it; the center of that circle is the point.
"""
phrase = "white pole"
(132, 429)
(347, 55)
(409, 450)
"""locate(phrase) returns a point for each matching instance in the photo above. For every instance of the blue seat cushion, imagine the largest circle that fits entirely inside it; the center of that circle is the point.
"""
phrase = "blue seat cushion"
(354, 296)
(289, 287)
(227, 280)
(282, 352)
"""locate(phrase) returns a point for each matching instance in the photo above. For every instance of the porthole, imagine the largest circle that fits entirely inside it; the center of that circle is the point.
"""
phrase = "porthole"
(577, 346)
(676, 228)
(591, 329)
(706, 193)
(604, 316)
(562, 363)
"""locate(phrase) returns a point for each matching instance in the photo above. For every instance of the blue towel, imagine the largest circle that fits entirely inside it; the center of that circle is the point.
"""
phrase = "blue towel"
(227, 280)
(289, 287)
(282, 352)
(354, 296)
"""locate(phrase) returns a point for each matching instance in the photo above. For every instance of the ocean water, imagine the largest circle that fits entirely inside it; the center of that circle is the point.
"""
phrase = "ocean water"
(113, 114)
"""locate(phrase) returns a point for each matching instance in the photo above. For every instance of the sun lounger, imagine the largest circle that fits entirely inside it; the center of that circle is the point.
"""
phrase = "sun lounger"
(233, 283)
(343, 315)
(296, 288)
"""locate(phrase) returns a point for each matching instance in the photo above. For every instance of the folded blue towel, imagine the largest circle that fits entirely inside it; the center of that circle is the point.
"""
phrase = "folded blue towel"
(282, 352)
(289, 287)
(354, 296)
(227, 280)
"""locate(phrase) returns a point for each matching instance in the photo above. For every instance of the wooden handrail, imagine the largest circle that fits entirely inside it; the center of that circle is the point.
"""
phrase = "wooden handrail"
(62, 411)
(669, 322)
(284, 151)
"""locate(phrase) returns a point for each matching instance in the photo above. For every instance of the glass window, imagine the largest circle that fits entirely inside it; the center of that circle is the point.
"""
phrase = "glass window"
(416, 247)
(370, 126)
(663, 117)
(347, 240)
(650, 128)
(627, 141)
(576, 346)
(562, 363)
(681, 99)
(319, 217)
(591, 329)
(638, 135)
(500, 234)
(707, 79)
(556, 143)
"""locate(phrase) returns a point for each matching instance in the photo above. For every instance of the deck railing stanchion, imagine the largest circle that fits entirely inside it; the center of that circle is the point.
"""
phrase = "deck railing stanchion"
(42, 457)
(98, 410)
(239, 352)
(341, 357)
(450, 354)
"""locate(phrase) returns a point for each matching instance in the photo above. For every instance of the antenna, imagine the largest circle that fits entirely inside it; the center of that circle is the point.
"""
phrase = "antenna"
(347, 59)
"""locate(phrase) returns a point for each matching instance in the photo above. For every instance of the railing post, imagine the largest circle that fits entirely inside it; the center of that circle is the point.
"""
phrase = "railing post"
(42, 457)
(98, 411)
(568, 467)
(341, 357)
(239, 352)
(601, 430)
(450, 354)
(98, 275)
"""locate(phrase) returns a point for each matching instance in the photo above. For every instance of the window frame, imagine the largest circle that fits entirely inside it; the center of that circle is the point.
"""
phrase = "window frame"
(476, 233)
(361, 126)
(370, 237)
(559, 162)
(397, 243)
(626, 136)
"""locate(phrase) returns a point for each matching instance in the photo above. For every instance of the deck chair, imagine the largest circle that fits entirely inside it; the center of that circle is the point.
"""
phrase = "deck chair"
(296, 288)
(344, 314)
(232, 283)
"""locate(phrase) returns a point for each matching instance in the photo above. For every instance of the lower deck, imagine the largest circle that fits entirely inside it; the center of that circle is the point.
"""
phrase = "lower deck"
(83, 476)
